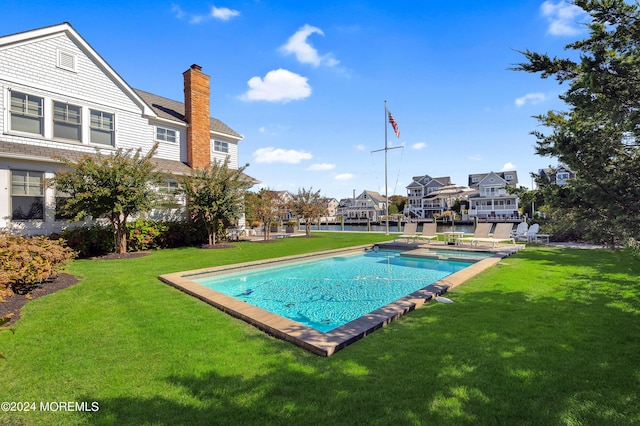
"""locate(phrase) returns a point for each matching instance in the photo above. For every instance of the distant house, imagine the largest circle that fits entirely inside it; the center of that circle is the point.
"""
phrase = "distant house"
(369, 205)
(60, 99)
(559, 175)
(492, 200)
(331, 206)
(420, 207)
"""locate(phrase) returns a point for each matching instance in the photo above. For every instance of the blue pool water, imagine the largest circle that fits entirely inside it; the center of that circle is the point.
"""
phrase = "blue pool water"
(326, 293)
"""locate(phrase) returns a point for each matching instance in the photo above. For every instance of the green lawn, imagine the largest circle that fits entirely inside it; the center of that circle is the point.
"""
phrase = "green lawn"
(549, 336)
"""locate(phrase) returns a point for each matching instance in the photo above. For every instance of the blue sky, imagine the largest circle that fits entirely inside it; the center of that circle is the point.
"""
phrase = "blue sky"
(305, 82)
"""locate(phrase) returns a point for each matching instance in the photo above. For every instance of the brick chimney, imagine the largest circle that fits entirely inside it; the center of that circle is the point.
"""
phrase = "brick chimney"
(196, 112)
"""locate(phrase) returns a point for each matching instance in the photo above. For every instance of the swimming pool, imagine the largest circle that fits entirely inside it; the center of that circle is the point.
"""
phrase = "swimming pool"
(330, 292)
(316, 341)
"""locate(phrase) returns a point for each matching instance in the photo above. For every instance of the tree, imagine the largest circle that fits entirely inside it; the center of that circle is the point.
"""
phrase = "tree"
(114, 187)
(264, 206)
(597, 137)
(308, 205)
(214, 195)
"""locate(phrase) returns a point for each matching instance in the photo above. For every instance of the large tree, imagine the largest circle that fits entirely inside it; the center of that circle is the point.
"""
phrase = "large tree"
(214, 195)
(308, 205)
(598, 136)
(114, 187)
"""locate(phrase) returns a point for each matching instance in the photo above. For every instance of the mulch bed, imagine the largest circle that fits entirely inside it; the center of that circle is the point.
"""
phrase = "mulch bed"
(14, 303)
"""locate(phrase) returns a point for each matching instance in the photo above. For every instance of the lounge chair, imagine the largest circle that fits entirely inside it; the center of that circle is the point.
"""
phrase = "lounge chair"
(482, 231)
(520, 231)
(409, 232)
(502, 233)
(428, 232)
(531, 233)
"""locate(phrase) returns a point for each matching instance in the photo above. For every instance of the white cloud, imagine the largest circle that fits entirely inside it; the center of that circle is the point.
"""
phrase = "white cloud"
(360, 147)
(533, 98)
(223, 13)
(321, 166)
(475, 157)
(419, 145)
(508, 166)
(279, 155)
(220, 13)
(277, 86)
(304, 52)
(562, 17)
(344, 176)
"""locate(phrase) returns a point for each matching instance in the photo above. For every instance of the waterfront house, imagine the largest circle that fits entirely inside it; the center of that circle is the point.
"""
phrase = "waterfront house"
(493, 201)
(419, 207)
(60, 99)
(368, 206)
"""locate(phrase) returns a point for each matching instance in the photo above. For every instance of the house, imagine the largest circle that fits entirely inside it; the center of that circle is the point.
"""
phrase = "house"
(417, 205)
(331, 206)
(493, 201)
(369, 205)
(60, 99)
(559, 175)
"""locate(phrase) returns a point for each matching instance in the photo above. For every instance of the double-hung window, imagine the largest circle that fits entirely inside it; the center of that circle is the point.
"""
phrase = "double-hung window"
(27, 195)
(221, 146)
(26, 113)
(166, 135)
(101, 128)
(67, 121)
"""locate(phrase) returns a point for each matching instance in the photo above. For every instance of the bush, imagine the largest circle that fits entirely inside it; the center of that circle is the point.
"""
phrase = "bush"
(90, 241)
(26, 261)
(145, 235)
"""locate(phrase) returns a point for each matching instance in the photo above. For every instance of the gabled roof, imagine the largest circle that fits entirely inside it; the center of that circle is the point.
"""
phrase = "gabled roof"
(69, 31)
(169, 109)
(502, 175)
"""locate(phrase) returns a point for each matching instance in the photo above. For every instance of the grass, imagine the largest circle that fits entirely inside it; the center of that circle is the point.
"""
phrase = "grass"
(549, 336)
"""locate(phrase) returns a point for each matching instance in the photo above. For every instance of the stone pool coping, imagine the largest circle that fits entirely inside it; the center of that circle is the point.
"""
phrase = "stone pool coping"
(317, 342)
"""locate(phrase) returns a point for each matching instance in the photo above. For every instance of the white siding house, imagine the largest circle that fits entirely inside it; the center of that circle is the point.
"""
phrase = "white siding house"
(419, 207)
(493, 201)
(60, 99)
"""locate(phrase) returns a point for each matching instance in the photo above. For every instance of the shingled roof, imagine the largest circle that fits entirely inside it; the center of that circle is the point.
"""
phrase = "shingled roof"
(173, 110)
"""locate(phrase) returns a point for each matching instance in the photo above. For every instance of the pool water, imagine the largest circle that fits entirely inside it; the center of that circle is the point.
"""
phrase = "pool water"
(326, 293)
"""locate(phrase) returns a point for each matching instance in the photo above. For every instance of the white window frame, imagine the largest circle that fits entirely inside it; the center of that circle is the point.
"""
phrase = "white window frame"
(165, 136)
(26, 112)
(28, 194)
(100, 127)
(221, 146)
(66, 121)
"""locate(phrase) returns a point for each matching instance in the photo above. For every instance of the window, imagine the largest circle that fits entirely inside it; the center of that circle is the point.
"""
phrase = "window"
(61, 199)
(101, 126)
(562, 176)
(169, 186)
(67, 121)
(26, 113)
(221, 146)
(164, 134)
(27, 195)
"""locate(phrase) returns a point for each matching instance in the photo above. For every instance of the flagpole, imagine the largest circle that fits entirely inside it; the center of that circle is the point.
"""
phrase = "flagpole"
(386, 152)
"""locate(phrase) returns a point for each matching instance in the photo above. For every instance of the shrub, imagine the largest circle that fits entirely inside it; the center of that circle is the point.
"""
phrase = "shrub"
(145, 235)
(26, 261)
(90, 241)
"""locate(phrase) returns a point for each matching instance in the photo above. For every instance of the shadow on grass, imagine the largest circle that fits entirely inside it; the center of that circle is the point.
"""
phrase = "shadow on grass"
(496, 356)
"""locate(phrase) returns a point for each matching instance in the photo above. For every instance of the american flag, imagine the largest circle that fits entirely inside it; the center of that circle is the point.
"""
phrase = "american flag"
(394, 124)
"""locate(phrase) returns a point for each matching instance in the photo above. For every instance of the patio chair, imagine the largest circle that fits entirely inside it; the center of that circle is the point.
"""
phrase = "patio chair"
(482, 231)
(409, 232)
(531, 233)
(428, 232)
(520, 231)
